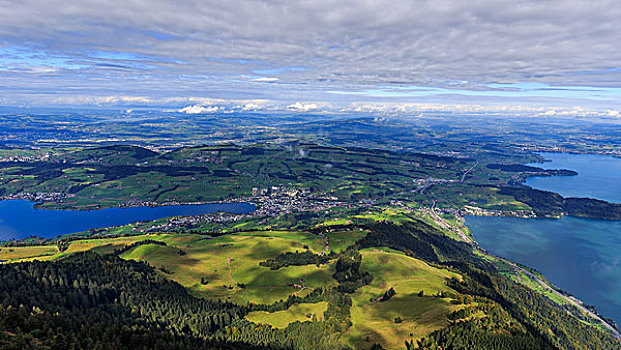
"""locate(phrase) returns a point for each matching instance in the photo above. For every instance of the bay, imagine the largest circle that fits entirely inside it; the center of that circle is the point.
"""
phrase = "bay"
(598, 176)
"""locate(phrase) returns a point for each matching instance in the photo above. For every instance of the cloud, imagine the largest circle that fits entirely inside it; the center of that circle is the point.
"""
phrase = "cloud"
(368, 50)
(250, 107)
(196, 109)
(302, 107)
(102, 100)
(265, 79)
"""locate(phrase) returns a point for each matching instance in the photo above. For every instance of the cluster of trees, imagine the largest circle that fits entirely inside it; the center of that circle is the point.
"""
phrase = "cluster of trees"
(386, 296)
(315, 296)
(323, 335)
(297, 259)
(530, 320)
(416, 239)
(311, 335)
(348, 273)
(91, 301)
(592, 208)
(538, 314)
(297, 335)
(473, 335)
(63, 245)
(518, 168)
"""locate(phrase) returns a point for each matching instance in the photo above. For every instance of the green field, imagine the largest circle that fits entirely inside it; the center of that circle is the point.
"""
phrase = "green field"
(420, 316)
(363, 181)
(296, 313)
(227, 267)
(14, 254)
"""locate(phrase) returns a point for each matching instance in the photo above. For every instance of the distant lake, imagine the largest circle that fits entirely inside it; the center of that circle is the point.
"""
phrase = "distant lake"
(598, 176)
(18, 218)
(579, 255)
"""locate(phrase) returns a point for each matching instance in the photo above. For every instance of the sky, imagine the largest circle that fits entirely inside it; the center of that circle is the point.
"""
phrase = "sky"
(205, 56)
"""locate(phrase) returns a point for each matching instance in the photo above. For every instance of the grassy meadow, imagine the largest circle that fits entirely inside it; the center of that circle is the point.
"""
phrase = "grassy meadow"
(374, 322)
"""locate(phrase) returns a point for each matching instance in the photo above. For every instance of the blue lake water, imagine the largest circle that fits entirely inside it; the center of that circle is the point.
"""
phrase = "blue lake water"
(581, 256)
(18, 218)
(598, 176)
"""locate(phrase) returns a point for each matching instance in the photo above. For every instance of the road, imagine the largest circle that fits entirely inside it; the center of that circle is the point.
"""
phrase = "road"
(447, 225)
(463, 177)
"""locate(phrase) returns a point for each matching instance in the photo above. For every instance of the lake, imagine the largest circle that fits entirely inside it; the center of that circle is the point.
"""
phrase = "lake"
(18, 218)
(579, 255)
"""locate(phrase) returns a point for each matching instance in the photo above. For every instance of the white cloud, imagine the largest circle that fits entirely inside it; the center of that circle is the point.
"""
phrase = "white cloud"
(197, 109)
(250, 107)
(302, 107)
(265, 79)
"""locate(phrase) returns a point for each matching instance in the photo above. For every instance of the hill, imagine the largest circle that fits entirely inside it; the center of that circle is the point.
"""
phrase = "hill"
(423, 289)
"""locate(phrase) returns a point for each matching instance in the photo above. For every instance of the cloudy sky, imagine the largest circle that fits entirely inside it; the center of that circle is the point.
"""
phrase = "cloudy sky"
(308, 54)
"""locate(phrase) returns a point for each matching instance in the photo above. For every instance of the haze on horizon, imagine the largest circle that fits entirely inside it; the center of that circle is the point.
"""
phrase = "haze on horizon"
(309, 55)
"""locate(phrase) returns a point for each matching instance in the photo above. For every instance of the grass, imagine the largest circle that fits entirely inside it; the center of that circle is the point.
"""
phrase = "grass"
(374, 322)
(102, 246)
(395, 215)
(336, 221)
(296, 313)
(14, 254)
(222, 261)
(50, 252)
(194, 174)
(339, 240)
(229, 262)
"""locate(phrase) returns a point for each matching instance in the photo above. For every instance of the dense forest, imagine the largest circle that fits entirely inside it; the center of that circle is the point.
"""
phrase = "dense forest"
(88, 301)
(518, 168)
